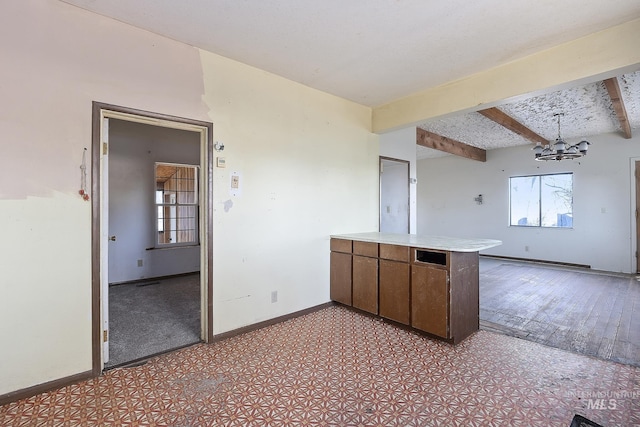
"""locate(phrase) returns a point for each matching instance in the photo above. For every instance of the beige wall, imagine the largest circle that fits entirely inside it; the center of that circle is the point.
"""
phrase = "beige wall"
(308, 167)
(307, 162)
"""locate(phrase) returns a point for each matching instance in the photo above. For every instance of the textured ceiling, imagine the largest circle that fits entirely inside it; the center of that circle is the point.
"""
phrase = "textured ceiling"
(587, 110)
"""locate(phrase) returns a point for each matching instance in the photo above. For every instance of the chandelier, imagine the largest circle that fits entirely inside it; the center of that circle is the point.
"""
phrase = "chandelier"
(560, 150)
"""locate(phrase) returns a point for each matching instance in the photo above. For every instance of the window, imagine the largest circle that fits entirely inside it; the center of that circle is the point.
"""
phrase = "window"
(176, 204)
(541, 200)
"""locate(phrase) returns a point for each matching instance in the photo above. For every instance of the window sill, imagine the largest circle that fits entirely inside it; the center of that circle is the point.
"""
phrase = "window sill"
(162, 248)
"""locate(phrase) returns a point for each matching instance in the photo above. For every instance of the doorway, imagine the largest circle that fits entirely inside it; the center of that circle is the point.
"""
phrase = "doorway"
(394, 195)
(135, 262)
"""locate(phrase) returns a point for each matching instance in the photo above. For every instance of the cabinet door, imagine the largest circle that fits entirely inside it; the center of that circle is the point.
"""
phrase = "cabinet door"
(430, 300)
(340, 282)
(365, 283)
(394, 291)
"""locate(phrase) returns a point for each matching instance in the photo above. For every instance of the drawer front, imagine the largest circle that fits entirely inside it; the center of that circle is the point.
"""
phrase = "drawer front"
(341, 245)
(394, 252)
(365, 249)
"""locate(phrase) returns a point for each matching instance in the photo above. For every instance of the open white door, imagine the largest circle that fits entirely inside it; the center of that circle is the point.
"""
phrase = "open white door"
(102, 240)
(104, 236)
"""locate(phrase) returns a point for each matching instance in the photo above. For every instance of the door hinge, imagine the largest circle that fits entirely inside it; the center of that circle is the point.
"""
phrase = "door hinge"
(105, 147)
(105, 335)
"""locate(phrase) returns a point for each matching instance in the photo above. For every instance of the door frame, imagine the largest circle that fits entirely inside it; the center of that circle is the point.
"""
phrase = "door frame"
(636, 212)
(205, 129)
(380, 171)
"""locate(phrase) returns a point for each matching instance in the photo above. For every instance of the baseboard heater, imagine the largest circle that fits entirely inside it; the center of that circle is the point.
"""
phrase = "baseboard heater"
(538, 261)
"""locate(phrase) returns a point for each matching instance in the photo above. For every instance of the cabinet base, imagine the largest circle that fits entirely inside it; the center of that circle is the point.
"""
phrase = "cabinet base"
(453, 341)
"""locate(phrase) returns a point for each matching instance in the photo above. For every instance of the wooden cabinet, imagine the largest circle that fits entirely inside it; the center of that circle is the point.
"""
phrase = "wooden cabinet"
(394, 291)
(434, 291)
(393, 283)
(365, 283)
(464, 295)
(341, 270)
(365, 276)
(430, 300)
(445, 299)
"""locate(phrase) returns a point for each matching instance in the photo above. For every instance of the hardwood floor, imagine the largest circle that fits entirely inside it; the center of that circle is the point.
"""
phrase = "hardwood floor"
(583, 311)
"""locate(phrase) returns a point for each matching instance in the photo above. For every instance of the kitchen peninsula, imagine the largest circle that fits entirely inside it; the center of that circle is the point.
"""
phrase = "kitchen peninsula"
(430, 283)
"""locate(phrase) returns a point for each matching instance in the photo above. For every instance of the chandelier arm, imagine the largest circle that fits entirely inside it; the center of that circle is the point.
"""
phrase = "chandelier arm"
(560, 150)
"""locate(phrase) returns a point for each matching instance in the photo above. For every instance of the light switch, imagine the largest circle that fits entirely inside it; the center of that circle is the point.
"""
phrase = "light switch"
(221, 162)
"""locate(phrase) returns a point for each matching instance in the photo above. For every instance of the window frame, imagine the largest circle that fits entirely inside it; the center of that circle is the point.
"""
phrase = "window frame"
(540, 201)
(162, 205)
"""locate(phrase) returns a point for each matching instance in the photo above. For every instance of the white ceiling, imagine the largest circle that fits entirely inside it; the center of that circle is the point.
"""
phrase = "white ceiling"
(377, 51)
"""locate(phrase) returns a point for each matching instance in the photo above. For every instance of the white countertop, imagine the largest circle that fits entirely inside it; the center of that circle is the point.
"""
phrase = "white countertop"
(452, 244)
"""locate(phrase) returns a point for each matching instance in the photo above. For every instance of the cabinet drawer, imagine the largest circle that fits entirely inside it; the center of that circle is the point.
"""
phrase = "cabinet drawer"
(394, 252)
(365, 249)
(341, 245)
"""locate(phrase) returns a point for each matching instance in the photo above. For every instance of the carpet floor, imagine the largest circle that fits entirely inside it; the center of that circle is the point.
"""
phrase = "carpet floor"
(586, 312)
(336, 367)
(153, 316)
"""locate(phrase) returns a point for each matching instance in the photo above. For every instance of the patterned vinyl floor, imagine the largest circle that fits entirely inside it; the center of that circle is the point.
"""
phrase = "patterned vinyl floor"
(336, 367)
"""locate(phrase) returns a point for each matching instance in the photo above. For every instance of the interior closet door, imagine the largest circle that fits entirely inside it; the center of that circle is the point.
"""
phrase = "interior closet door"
(394, 196)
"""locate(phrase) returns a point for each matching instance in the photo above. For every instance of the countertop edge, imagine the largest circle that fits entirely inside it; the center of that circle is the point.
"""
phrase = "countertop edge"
(444, 243)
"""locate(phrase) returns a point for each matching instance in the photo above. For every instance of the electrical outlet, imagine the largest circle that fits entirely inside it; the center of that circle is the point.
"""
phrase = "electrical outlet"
(274, 296)
(139, 263)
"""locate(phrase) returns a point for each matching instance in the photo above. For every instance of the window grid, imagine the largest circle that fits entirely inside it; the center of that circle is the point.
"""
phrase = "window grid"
(176, 204)
(541, 201)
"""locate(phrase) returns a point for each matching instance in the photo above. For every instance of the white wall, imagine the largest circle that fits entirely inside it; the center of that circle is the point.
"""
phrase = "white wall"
(401, 144)
(308, 160)
(602, 235)
(134, 148)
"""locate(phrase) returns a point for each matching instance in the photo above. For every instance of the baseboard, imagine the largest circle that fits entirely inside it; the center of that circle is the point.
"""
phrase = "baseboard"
(44, 387)
(537, 261)
(153, 279)
(83, 376)
(264, 324)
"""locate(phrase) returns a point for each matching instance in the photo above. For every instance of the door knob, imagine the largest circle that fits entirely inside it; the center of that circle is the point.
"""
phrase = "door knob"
(112, 238)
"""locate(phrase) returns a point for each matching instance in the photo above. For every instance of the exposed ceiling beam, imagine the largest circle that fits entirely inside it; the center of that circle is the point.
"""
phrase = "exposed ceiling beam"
(571, 63)
(618, 105)
(513, 125)
(448, 145)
